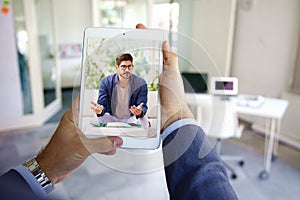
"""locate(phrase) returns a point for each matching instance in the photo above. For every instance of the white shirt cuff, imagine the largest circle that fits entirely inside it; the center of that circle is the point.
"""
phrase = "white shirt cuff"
(177, 124)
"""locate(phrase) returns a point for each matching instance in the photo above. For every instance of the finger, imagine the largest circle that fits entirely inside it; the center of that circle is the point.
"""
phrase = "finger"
(93, 103)
(113, 152)
(139, 25)
(103, 145)
(170, 60)
(98, 109)
(132, 110)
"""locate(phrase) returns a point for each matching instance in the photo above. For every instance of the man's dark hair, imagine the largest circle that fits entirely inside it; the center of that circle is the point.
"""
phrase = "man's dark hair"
(123, 57)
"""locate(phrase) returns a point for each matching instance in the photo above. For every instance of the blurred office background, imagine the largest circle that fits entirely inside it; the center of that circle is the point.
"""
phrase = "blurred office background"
(256, 41)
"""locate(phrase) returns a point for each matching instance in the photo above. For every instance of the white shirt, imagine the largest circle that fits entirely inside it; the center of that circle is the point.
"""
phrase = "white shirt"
(122, 106)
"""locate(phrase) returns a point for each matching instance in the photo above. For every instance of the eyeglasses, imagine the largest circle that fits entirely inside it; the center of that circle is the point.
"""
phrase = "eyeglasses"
(124, 67)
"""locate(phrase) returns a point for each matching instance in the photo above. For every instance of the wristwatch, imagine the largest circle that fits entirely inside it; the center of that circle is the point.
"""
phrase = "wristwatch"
(33, 166)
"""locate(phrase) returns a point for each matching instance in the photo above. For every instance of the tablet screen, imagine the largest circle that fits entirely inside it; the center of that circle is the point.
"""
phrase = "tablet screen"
(119, 86)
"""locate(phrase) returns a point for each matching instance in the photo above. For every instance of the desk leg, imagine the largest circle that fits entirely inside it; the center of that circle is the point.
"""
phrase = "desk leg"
(276, 139)
(264, 174)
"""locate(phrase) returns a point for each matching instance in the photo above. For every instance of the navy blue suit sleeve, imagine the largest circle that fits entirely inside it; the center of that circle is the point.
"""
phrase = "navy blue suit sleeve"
(193, 169)
(13, 186)
(104, 97)
(143, 98)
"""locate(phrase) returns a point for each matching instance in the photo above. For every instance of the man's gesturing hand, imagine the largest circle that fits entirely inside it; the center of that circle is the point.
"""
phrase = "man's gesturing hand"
(136, 110)
(97, 108)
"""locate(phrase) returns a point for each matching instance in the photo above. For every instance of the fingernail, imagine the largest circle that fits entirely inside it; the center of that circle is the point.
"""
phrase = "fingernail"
(118, 142)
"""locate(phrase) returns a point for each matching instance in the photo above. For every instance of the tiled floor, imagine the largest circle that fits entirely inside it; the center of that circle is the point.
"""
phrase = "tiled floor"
(103, 177)
(128, 174)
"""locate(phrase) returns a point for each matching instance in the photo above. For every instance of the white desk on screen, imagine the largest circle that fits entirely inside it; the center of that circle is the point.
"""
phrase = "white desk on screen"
(271, 109)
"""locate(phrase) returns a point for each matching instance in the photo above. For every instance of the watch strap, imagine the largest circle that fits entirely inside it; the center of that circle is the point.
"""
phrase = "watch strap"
(33, 166)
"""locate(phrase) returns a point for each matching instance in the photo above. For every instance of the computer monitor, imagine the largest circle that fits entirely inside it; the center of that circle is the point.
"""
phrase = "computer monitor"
(194, 82)
(224, 85)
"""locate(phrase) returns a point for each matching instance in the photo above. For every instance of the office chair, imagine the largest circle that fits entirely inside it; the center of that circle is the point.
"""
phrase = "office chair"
(230, 129)
(219, 120)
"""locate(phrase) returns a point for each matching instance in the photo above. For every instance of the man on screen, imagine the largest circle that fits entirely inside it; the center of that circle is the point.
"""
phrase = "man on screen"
(122, 96)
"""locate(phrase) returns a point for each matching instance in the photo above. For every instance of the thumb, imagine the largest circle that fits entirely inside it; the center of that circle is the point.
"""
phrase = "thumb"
(139, 25)
(141, 105)
(170, 60)
(103, 145)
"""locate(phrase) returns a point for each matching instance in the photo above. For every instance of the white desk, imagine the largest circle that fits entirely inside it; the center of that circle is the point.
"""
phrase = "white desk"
(94, 131)
(271, 109)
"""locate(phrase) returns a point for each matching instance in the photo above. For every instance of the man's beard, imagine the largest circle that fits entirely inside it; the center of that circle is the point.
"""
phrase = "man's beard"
(126, 75)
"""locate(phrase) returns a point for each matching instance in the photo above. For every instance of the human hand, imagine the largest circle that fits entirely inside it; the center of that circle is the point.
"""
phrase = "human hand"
(97, 108)
(172, 96)
(68, 148)
(171, 89)
(136, 110)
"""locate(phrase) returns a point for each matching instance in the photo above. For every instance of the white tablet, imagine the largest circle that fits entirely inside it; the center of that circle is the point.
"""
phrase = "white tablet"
(119, 85)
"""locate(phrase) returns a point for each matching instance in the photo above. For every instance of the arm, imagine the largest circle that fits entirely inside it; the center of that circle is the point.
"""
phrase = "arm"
(142, 98)
(67, 149)
(138, 96)
(193, 169)
(14, 186)
(104, 97)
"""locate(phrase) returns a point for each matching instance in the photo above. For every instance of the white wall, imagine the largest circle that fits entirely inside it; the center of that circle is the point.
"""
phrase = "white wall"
(211, 27)
(11, 102)
(265, 40)
(290, 122)
(208, 23)
(265, 46)
(71, 18)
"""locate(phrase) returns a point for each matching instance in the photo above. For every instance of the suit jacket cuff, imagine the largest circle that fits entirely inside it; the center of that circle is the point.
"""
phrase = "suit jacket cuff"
(32, 182)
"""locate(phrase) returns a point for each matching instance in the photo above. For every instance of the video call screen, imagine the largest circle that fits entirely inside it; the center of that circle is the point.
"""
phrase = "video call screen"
(224, 85)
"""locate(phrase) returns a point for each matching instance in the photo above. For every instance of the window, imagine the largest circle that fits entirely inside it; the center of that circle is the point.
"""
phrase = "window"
(112, 13)
(167, 19)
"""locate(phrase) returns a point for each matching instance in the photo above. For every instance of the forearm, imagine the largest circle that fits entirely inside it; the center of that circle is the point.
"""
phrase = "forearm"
(193, 169)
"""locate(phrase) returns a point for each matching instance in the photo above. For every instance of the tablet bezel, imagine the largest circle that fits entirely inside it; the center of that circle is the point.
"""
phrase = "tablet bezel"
(138, 34)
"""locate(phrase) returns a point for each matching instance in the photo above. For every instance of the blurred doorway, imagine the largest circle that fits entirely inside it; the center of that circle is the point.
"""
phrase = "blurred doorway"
(37, 60)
